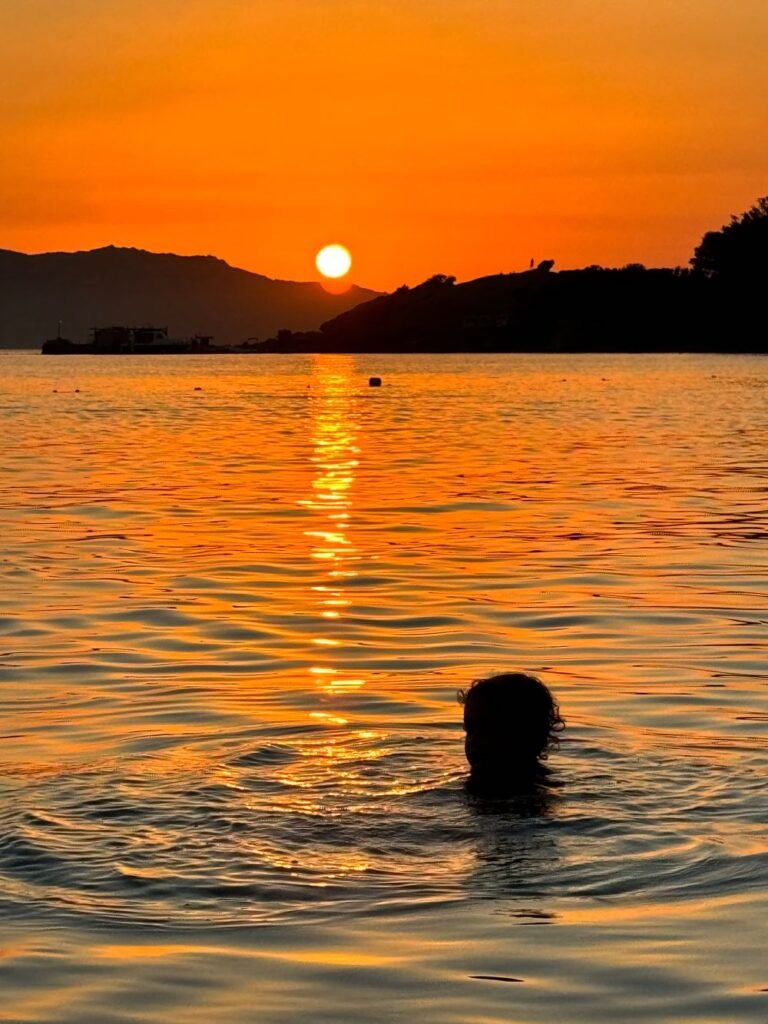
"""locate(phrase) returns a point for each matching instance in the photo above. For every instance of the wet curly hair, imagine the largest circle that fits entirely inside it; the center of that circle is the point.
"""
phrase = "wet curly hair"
(514, 706)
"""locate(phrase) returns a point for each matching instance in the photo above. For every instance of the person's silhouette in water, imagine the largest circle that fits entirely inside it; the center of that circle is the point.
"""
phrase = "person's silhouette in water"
(511, 721)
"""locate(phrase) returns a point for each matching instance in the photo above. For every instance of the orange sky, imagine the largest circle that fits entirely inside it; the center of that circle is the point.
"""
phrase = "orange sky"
(459, 136)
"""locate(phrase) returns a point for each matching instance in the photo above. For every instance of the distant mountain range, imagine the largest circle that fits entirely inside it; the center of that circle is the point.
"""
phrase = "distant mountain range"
(188, 294)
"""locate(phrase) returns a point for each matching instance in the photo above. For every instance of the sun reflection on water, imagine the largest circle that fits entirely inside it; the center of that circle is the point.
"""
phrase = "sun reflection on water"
(340, 756)
(335, 458)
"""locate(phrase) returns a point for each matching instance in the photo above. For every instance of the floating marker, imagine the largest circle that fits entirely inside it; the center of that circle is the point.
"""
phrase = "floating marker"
(374, 382)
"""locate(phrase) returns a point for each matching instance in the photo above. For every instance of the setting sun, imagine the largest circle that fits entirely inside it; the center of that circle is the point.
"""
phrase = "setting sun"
(333, 261)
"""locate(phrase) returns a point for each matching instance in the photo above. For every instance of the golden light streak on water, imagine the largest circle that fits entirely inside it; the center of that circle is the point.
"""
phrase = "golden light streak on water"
(336, 461)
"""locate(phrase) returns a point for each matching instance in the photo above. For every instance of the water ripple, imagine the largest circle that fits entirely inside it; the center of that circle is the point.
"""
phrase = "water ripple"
(233, 627)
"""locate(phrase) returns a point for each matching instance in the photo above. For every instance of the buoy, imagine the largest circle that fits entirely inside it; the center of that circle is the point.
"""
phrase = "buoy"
(198, 389)
(374, 382)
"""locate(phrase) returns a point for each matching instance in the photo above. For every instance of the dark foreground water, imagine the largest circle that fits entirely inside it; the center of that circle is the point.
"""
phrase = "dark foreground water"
(237, 597)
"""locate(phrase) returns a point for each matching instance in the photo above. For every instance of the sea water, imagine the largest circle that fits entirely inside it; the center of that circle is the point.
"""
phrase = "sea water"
(238, 596)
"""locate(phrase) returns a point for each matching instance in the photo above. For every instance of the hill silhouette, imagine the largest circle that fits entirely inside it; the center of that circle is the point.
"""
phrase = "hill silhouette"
(632, 309)
(189, 294)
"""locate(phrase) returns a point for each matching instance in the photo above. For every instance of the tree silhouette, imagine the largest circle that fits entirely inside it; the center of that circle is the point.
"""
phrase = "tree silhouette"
(738, 249)
(439, 281)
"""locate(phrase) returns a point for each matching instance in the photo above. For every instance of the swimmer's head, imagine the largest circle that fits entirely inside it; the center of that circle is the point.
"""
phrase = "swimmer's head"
(511, 720)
